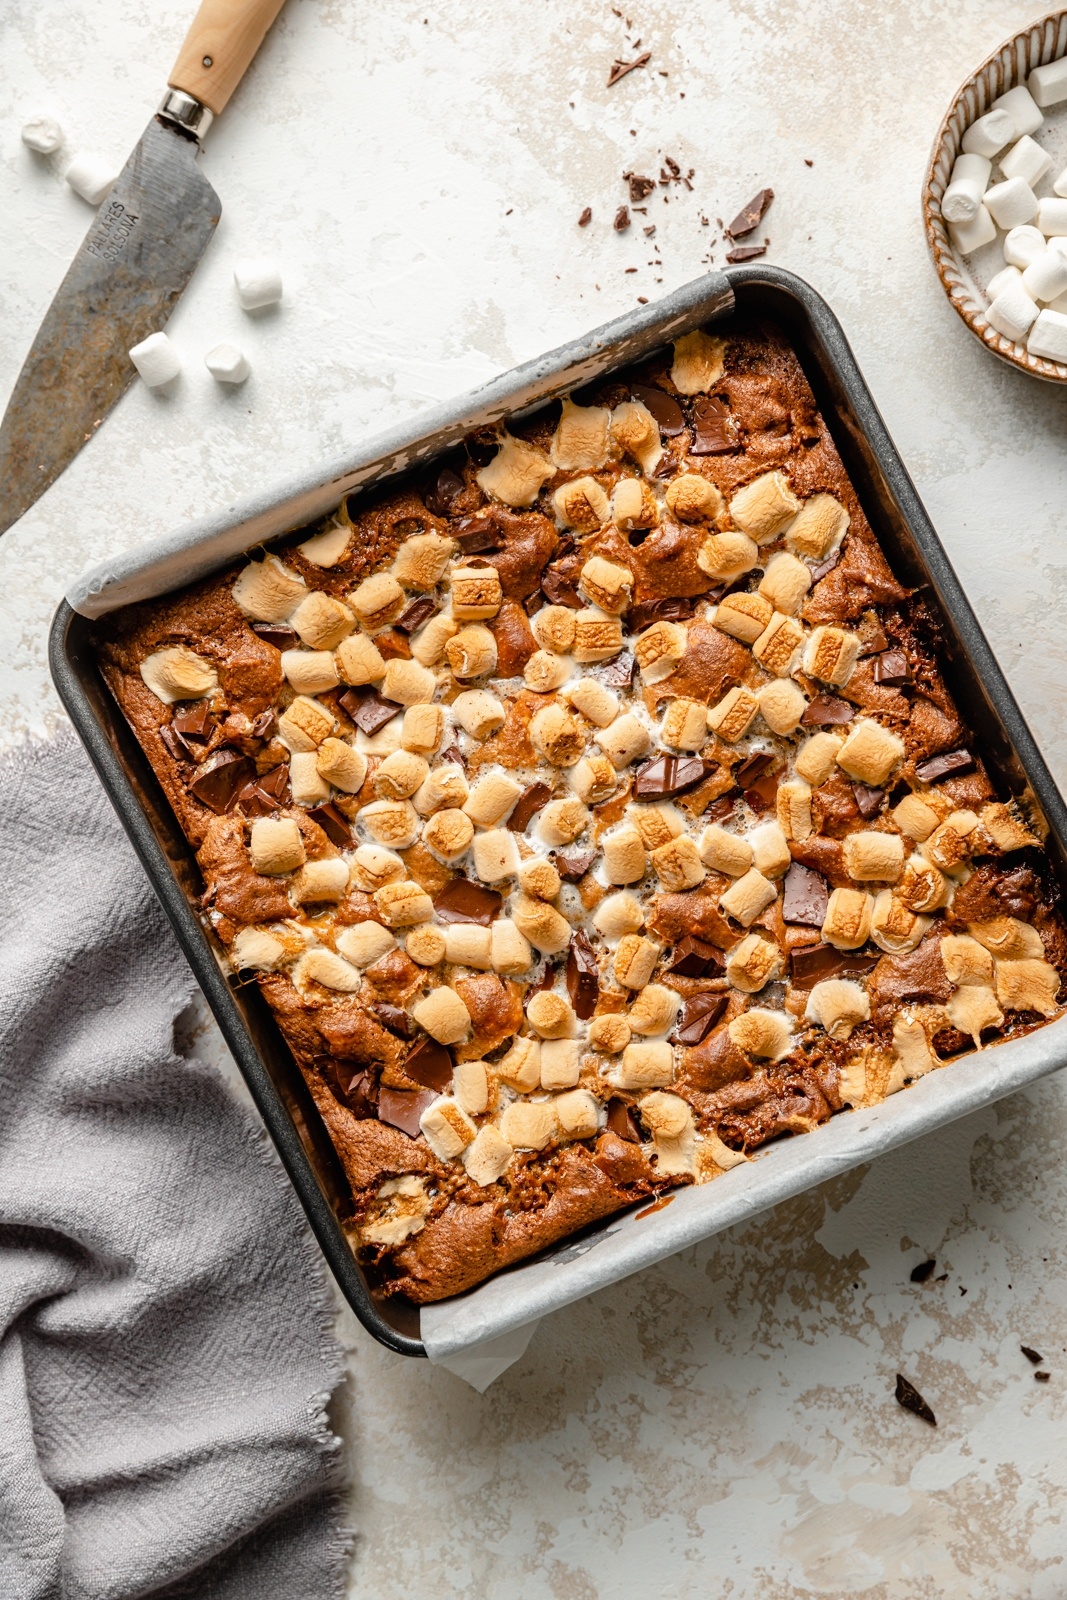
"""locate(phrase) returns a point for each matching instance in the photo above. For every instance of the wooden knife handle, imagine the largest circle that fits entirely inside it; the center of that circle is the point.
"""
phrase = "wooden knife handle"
(219, 47)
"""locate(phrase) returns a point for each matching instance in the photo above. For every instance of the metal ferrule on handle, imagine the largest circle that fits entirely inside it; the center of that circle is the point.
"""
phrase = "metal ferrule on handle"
(185, 112)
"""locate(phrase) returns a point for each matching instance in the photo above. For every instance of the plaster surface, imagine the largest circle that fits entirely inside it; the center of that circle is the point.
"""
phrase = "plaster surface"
(722, 1424)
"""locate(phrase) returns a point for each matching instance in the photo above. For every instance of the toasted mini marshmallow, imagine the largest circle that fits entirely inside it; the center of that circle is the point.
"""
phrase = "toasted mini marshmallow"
(545, 672)
(551, 1015)
(785, 582)
(770, 850)
(830, 654)
(373, 867)
(511, 953)
(377, 601)
(792, 807)
(725, 852)
(425, 944)
(529, 1124)
(544, 927)
(275, 845)
(403, 904)
(911, 1048)
(953, 841)
(581, 442)
(1008, 939)
(635, 430)
(306, 783)
(915, 817)
(677, 864)
(445, 788)
(359, 661)
(922, 887)
(731, 718)
(782, 704)
(764, 507)
(753, 963)
(492, 799)
(965, 960)
(310, 671)
(870, 752)
(894, 927)
(364, 943)
(659, 649)
(582, 504)
(654, 1010)
(478, 713)
(698, 362)
(623, 740)
(624, 856)
(553, 628)
(521, 1067)
(178, 673)
(657, 824)
(838, 1005)
(256, 950)
(1028, 986)
(428, 644)
(744, 616)
(819, 526)
(692, 498)
(487, 1156)
(471, 653)
(847, 923)
(610, 1033)
(644, 1066)
(561, 1064)
(607, 584)
(267, 591)
(562, 821)
(443, 1015)
(447, 1128)
(762, 1033)
(476, 593)
(319, 965)
(747, 897)
(871, 854)
(304, 724)
(597, 636)
(400, 774)
(635, 959)
(423, 729)
(557, 736)
(817, 757)
(618, 914)
(495, 854)
(577, 1112)
(394, 823)
(516, 472)
(727, 556)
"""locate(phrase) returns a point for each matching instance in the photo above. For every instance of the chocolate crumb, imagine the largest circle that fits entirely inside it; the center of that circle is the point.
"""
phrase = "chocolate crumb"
(1031, 1355)
(1042, 1377)
(586, 217)
(622, 219)
(750, 216)
(640, 187)
(745, 252)
(619, 69)
(909, 1397)
(808, 163)
(923, 1271)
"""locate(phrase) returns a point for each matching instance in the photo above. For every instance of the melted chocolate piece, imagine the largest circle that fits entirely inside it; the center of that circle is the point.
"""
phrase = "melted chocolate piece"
(754, 767)
(909, 1397)
(279, 634)
(368, 710)
(396, 1020)
(174, 744)
(571, 868)
(265, 725)
(444, 488)
(763, 794)
(334, 824)
(219, 786)
(266, 793)
(813, 962)
(402, 1108)
(663, 406)
(414, 615)
(618, 673)
(462, 900)
(665, 776)
(620, 1122)
(745, 252)
(358, 1091)
(826, 710)
(694, 958)
(951, 764)
(669, 609)
(529, 803)
(453, 755)
(868, 801)
(698, 1016)
(430, 1064)
(891, 668)
(477, 535)
(750, 216)
(194, 721)
(583, 976)
(805, 898)
(560, 590)
(715, 431)
(547, 980)
(827, 566)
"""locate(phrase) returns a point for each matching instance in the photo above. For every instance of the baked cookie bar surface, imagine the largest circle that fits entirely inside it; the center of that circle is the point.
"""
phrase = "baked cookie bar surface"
(591, 811)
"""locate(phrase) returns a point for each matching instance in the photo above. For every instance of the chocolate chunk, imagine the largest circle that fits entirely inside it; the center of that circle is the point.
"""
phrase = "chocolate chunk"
(909, 1397)
(397, 1021)
(368, 710)
(763, 794)
(402, 1108)
(334, 824)
(620, 1122)
(640, 188)
(805, 897)
(275, 782)
(811, 963)
(583, 976)
(219, 785)
(669, 609)
(443, 490)
(826, 710)
(476, 535)
(358, 1091)
(174, 743)
(194, 721)
(277, 634)
(586, 217)
(923, 1271)
(752, 768)
(665, 776)
(750, 216)
(266, 793)
(430, 1064)
(819, 573)
(414, 615)
(529, 803)
(453, 755)
(1030, 1354)
(663, 406)
(721, 808)
(694, 958)
(622, 219)
(265, 725)
(745, 252)
(1042, 1377)
(868, 801)
(461, 900)
(698, 1016)
(715, 430)
(559, 589)
(618, 673)
(891, 668)
(949, 765)
(573, 867)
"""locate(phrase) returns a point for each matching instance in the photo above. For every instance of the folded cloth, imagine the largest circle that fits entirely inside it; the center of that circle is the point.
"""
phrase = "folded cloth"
(166, 1344)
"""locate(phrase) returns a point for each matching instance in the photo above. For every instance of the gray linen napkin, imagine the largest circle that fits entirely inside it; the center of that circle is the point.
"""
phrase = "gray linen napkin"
(166, 1349)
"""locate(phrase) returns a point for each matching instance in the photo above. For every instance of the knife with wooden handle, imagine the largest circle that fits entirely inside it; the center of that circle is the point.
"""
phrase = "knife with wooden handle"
(139, 254)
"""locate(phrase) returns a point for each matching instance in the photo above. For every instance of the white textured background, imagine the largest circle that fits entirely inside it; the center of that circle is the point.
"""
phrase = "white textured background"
(724, 1424)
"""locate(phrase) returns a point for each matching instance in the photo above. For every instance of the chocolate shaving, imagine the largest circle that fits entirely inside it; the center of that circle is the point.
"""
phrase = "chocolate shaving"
(909, 1397)
(891, 668)
(745, 252)
(694, 958)
(277, 634)
(665, 776)
(402, 1108)
(952, 764)
(462, 900)
(868, 801)
(618, 672)
(750, 216)
(572, 868)
(368, 710)
(430, 1064)
(619, 69)
(669, 609)
(620, 1122)
(663, 406)
(583, 976)
(414, 615)
(219, 785)
(827, 710)
(811, 963)
(529, 803)
(476, 535)
(698, 1016)
(640, 188)
(586, 217)
(396, 1020)
(805, 898)
(1031, 1355)
(715, 430)
(334, 824)
(265, 725)
(923, 1271)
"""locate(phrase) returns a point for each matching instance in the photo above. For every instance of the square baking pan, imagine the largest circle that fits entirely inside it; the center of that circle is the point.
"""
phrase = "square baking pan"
(625, 1243)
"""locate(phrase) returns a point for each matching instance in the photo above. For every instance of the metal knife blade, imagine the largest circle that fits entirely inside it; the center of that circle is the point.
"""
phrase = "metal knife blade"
(136, 259)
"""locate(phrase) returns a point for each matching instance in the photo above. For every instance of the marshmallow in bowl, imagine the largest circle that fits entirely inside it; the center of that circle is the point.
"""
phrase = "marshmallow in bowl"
(1025, 160)
(1048, 85)
(1001, 280)
(1048, 336)
(1022, 108)
(968, 236)
(1023, 245)
(1046, 277)
(1013, 311)
(989, 134)
(1052, 217)
(969, 181)
(1012, 203)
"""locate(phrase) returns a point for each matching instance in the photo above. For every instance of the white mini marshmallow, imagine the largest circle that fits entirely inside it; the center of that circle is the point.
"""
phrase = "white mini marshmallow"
(1048, 85)
(227, 364)
(969, 181)
(1046, 277)
(968, 236)
(1026, 160)
(1022, 108)
(42, 134)
(1059, 304)
(1023, 245)
(1001, 281)
(989, 134)
(259, 282)
(1048, 336)
(1012, 311)
(91, 176)
(1052, 217)
(1011, 203)
(1059, 185)
(156, 360)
